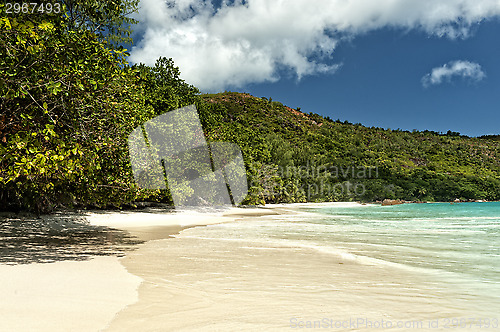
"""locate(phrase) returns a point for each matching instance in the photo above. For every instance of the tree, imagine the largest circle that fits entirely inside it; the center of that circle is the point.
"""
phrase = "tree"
(108, 19)
(68, 103)
(164, 88)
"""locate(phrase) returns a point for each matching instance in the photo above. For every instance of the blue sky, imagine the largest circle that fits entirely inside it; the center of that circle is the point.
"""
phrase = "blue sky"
(409, 64)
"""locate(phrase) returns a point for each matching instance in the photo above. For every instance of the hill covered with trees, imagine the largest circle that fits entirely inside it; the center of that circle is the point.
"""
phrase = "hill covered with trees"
(69, 100)
(317, 159)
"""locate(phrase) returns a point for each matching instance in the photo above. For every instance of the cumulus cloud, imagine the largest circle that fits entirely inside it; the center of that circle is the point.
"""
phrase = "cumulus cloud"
(245, 41)
(464, 69)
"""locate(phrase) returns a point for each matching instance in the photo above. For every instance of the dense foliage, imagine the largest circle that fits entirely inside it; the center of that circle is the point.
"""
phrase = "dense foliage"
(69, 100)
(109, 20)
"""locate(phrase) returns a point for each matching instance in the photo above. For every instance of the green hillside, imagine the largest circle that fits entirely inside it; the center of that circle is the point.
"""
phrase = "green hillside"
(292, 156)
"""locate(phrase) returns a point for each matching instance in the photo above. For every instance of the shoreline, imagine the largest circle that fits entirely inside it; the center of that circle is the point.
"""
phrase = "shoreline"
(191, 284)
(194, 281)
(87, 295)
(156, 227)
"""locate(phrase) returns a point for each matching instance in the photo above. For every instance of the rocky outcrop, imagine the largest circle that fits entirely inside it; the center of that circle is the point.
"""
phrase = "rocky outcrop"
(387, 202)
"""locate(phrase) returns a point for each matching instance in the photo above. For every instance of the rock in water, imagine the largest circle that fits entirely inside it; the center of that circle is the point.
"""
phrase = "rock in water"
(391, 202)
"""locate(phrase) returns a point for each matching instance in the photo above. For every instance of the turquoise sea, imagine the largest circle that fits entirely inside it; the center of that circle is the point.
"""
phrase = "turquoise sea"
(456, 239)
(461, 240)
(455, 246)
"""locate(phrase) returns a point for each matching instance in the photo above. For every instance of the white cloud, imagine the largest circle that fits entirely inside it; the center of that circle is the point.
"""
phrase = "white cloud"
(463, 69)
(247, 41)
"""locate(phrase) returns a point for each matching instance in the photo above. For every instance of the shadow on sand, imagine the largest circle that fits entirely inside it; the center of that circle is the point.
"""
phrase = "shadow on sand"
(26, 238)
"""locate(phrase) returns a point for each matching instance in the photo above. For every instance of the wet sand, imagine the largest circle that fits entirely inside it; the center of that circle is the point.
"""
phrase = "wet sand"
(226, 286)
(216, 285)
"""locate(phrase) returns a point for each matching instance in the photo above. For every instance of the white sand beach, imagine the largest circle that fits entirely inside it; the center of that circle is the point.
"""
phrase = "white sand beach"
(187, 282)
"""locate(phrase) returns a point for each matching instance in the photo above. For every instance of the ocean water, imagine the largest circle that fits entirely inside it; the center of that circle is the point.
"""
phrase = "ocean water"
(453, 250)
(455, 239)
